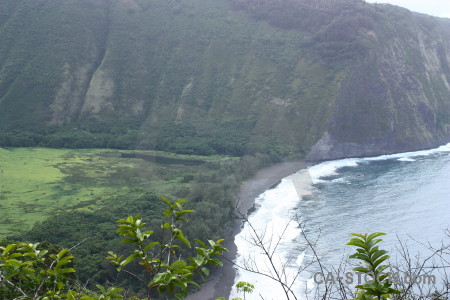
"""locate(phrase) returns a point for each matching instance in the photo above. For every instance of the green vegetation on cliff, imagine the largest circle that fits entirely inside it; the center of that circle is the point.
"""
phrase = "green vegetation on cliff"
(223, 77)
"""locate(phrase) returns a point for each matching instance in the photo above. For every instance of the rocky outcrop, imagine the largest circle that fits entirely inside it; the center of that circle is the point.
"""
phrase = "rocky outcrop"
(397, 99)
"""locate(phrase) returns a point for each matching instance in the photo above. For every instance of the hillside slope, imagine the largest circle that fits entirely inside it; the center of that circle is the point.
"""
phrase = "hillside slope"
(343, 78)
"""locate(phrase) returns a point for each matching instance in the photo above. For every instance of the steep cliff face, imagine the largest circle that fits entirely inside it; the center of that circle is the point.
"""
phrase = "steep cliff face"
(340, 78)
(397, 98)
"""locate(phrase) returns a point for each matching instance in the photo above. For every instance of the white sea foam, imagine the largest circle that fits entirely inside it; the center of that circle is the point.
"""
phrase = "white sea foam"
(406, 159)
(340, 180)
(310, 284)
(329, 168)
(444, 148)
(273, 222)
(300, 258)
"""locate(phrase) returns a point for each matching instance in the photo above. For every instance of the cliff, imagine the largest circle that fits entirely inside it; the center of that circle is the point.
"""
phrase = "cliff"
(326, 79)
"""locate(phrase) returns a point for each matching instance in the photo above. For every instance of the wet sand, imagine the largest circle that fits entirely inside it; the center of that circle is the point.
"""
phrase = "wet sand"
(222, 280)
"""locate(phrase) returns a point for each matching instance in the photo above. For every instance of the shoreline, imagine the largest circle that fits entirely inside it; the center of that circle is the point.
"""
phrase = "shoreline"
(222, 279)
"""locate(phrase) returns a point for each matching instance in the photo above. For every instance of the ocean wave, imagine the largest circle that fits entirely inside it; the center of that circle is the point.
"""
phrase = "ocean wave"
(274, 224)
(406, 159)
(330, 168)
(341, 180)
(441, 149)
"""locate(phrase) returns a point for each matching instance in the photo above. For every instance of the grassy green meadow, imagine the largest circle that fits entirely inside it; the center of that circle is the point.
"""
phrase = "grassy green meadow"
(38, 183)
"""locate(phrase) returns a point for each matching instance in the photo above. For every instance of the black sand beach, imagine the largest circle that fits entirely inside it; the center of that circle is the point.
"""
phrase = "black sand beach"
(222, 281)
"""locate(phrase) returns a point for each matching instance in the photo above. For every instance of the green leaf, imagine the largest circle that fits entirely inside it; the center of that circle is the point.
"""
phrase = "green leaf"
(178, 264)
(182, 271)
(373, 250)
(361, 257)
(180, 236)
(205, 271)
(201, 243)
(199, 260)
(181, 201)
(8, 249)
(359, 235)
(167, 277)
(101, 289)
(158, 278)
(380, 260)
(131, 241)
(71, 295)
(381, 268)
(373, 243)
(383, 277)
(162, 288)
(193, 283)
(14, 255)
(215, 261)
(167, 226)
(62, 253)
(128, 260)
(68, 270)
(358, 243)
(377, 254)
(361, 269)
(180, 284)
(167, 201)
(150, 246)
(374, 235)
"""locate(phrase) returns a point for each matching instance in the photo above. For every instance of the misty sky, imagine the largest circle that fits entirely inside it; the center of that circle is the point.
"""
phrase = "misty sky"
(440, 8)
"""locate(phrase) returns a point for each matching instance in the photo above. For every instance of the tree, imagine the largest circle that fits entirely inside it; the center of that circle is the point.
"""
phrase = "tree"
(245, 287)
(28, 271)
(164, 271)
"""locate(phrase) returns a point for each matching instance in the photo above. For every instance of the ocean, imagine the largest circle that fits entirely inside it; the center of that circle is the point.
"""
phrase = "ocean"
(406, 196)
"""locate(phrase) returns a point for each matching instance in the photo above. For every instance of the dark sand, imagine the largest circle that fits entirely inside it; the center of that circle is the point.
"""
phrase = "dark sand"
(222, 280)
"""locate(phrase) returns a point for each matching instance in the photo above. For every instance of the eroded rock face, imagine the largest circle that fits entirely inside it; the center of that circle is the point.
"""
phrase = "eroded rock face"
(397, 99)
(69, 97)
